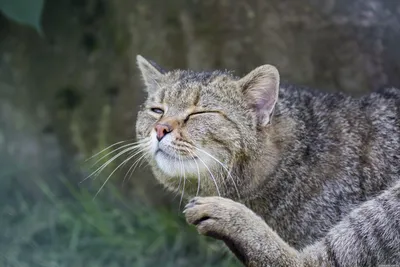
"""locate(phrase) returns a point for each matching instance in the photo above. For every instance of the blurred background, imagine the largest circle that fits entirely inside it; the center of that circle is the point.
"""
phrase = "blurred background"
(69, 87)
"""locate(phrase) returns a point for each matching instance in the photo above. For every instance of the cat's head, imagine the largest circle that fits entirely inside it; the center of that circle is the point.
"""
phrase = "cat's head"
(196, 127)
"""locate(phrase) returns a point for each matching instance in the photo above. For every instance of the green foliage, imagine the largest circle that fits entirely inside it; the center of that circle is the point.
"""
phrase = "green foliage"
(77, 230)
(27, 12)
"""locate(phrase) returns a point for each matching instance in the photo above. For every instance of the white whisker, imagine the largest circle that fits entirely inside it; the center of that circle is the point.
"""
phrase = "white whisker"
(180, 177)
(120, 142)
(184, 182)
(213, 178)
(115, 150)
(133, 167)
(102, 186)
(102, 167)
(198, 172)
(223, 166)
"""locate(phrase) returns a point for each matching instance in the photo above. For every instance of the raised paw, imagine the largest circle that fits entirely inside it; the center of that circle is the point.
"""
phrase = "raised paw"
(218, 217)
(252, 241)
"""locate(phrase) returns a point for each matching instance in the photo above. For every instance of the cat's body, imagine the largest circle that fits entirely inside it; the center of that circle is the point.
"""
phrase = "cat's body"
(341, 151)
(322, 170)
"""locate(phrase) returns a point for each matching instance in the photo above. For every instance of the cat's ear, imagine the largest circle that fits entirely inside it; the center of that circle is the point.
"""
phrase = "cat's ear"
(261, 88)
(151, 73)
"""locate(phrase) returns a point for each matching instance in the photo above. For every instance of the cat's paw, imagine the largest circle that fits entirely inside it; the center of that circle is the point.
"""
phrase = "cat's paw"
(245, 233)
(219, 217)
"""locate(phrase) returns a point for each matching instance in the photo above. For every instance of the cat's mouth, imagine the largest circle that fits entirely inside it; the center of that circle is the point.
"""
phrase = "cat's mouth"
(177, 165)
(175, 157)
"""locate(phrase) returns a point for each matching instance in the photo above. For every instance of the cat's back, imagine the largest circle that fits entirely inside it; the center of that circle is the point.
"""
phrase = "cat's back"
(346, 151)
(378, 111)
(383, 108)
(356, 131)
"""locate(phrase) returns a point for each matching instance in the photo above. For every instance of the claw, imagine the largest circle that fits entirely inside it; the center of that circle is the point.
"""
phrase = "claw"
(189, 205)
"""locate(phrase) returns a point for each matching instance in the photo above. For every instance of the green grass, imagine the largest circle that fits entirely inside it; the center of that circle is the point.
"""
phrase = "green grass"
(109, 231)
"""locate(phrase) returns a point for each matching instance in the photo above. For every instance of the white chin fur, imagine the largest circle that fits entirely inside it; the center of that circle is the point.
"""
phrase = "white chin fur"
(174, 167)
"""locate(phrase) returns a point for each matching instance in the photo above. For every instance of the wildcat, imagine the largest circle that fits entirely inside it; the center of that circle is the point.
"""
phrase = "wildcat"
(285, 176)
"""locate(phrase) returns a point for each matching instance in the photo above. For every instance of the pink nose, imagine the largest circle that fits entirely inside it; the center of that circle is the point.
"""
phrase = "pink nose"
(162, 130)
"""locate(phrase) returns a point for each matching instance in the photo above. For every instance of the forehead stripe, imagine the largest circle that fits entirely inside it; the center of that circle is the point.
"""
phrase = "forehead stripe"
(162, 95)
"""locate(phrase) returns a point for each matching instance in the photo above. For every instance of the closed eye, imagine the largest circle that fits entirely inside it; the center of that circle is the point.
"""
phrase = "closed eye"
(199, 113)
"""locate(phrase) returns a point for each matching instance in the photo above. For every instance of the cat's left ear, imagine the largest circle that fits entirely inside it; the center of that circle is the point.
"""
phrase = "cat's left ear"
(151, 73)
(261, 88)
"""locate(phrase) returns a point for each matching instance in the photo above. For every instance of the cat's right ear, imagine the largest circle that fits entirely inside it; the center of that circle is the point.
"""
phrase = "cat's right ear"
(151, 73)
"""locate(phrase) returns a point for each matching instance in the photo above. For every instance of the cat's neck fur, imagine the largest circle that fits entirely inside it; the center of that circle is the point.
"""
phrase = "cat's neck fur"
(285, 141)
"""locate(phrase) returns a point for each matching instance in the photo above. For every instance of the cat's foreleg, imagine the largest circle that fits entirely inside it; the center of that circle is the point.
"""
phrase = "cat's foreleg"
(246, 234)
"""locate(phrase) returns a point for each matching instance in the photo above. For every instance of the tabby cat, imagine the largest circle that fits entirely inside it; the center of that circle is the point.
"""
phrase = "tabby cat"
(285, 176)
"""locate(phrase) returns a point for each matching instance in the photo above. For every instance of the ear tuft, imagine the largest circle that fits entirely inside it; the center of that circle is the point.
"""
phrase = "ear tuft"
(151, 73)
(261, 88)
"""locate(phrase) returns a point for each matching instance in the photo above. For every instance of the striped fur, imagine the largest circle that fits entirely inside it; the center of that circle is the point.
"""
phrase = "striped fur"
(319, 185)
